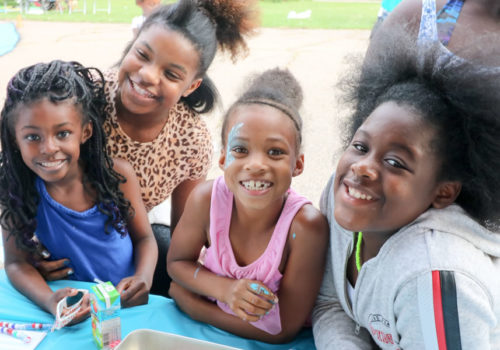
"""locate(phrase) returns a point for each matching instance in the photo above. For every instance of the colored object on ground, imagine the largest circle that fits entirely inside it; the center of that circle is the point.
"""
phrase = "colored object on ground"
(9, 36)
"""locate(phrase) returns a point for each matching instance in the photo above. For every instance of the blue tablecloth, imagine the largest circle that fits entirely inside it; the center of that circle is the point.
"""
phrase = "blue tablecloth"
(159, 314)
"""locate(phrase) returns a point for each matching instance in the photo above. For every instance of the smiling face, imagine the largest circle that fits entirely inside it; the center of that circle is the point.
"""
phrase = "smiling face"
(49, 137)
(160, 68)
(387, 176)
(260, 158)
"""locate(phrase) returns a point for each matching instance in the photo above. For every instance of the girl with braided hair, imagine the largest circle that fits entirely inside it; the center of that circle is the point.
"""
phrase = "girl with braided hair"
(60, 188)
(266, 243)
(155, 98)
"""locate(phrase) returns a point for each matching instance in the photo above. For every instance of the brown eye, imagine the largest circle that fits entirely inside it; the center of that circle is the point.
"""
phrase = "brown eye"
(275, 152)
(141, 54)
(32, 137)
(239, 149)
(395, 163)
(63, 134)
(360, 147)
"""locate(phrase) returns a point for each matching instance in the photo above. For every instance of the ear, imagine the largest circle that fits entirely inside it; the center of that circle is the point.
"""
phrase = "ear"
(299, 165)
(222, 159)
(86, 132)
(194, 85)
(447, 192)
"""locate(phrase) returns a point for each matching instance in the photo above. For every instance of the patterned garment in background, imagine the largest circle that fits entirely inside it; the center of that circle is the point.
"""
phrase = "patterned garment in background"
(182, 151)
(447, 19)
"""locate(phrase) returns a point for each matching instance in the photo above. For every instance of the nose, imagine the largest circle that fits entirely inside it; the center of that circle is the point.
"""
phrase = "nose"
(49, 146)
(255, 163)
(365, 168)
(150, 74)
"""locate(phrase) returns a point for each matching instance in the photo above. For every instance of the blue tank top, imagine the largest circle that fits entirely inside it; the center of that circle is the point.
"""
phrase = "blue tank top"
(80, 237)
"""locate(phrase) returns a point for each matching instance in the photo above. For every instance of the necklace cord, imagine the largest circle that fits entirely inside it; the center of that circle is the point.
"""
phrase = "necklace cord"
(358, 251)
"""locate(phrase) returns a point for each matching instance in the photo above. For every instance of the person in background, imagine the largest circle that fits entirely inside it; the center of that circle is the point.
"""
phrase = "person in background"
(466, 29)
(385, 8)
(147, 6)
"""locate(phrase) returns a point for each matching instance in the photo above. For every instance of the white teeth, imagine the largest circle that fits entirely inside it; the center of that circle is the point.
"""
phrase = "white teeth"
(141, 91)
(256, 185)
(51, 164)
(359, 195)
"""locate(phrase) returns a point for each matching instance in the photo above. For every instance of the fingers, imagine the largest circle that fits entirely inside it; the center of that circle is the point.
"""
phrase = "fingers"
(254, 302)
(133, 292)
(124, 283)
(263, 292)
(64, 292)
(54, 270)
(245, 316)
(81, 315)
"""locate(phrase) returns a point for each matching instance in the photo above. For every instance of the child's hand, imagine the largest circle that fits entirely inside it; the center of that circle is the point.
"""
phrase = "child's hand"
(50, 270)
(84, 311)
(53, 270)
(250, 300)
(134, 290)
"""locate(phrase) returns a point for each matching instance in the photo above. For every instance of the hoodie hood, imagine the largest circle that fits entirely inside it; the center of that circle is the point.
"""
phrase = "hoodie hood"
(454, 220)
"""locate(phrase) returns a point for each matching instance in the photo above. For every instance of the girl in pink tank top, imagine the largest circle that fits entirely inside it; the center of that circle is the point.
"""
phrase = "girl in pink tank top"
(265, 244)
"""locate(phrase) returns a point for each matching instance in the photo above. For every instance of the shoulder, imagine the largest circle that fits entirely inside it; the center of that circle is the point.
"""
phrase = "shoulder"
(123, 167)
(407, 14)
(407, 10)
(310, 220)
(445, 239)
(202, 192)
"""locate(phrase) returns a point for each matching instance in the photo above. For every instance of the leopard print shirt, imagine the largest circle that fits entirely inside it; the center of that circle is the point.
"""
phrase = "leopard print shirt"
(182, 151)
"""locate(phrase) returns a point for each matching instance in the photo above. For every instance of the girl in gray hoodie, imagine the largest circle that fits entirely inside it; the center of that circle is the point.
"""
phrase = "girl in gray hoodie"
(414, 207)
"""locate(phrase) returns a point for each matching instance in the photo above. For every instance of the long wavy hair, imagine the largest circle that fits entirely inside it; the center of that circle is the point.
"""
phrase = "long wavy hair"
(57, 82)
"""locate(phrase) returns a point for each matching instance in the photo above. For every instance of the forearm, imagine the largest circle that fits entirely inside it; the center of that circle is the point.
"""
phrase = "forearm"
(28, 281)
(146, 256)
(203, 310)
(198, 279)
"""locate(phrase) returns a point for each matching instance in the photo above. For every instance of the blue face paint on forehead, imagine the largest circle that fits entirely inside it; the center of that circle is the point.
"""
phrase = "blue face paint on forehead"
(233, 134)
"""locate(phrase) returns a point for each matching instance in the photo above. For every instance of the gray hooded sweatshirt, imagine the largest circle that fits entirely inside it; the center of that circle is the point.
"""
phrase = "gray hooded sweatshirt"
(434, 283)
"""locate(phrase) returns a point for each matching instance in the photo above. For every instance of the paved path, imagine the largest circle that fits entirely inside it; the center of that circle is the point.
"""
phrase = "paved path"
(316, 57)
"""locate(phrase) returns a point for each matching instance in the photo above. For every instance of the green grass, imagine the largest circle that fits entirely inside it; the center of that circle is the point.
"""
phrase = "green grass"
(327, 15)
(122, 11)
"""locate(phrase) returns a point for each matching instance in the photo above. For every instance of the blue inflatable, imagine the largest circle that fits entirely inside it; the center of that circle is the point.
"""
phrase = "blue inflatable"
(9, 37)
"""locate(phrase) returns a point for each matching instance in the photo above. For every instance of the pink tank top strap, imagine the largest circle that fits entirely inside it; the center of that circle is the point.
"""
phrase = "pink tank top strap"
(277, 243)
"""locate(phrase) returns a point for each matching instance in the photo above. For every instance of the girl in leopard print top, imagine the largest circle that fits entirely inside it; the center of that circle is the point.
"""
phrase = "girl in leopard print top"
(157, 93)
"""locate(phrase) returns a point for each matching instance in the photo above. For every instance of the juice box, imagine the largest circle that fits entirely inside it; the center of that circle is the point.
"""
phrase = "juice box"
(105, 314)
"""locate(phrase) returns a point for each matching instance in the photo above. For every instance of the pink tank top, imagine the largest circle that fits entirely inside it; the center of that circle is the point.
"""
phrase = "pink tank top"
(219, 257)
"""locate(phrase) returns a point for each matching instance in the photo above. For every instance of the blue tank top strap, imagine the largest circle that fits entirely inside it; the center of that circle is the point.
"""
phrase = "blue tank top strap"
(447, 19)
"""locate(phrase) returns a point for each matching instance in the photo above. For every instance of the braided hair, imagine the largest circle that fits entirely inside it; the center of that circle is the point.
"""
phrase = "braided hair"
(57, 82)
(207, 24)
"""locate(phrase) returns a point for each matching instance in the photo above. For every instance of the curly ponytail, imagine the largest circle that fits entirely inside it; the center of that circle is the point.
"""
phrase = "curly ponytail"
(207, 24)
